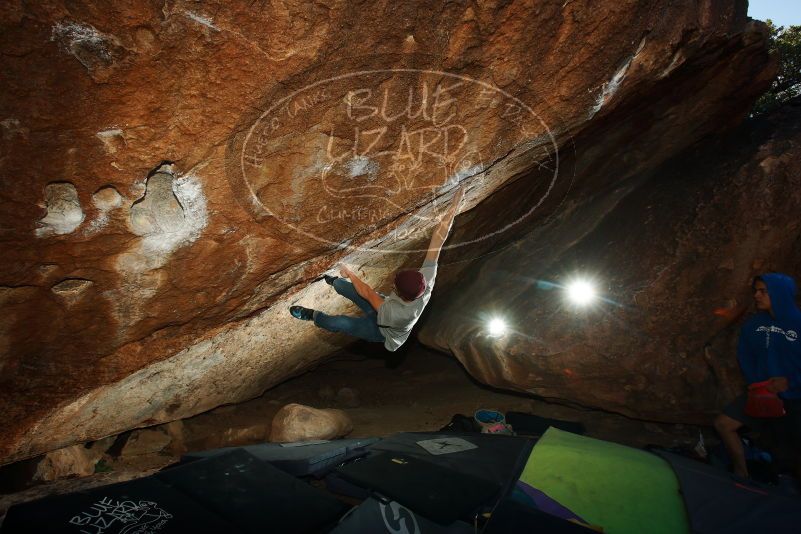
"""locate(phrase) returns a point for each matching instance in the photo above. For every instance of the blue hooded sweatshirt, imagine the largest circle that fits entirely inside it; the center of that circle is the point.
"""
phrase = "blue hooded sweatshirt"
(769, 344)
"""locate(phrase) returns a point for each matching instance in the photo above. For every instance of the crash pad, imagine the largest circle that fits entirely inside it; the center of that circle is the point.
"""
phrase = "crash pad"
(618, 488)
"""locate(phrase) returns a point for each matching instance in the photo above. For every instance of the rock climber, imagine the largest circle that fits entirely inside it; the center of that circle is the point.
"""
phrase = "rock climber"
(768, 351)
(386, 319)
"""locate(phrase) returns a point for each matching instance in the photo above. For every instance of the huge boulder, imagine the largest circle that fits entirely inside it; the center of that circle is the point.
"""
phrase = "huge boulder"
(672, 254)
(175, 174)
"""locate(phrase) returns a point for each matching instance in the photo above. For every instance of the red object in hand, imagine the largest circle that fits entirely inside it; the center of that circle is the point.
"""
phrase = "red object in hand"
(762, 402)
(730, 314)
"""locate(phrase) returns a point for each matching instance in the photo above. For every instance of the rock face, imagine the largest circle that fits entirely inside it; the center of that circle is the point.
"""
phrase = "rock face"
(175, 174)
(295, 422)
(77, 460)
(673, 254)
(69, 461)
(146, 441)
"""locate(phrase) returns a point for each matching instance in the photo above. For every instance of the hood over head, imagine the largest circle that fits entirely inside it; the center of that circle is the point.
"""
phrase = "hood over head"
(782, 290)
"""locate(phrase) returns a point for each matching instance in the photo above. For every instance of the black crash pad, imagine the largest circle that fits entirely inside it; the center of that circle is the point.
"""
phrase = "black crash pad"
(719, 502)
(144, 505)
(377, 517)
(438, 493)
(299, 459)
(253, 495)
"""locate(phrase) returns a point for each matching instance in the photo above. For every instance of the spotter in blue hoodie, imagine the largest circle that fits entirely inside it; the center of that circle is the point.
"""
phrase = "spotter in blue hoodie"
(769, 344)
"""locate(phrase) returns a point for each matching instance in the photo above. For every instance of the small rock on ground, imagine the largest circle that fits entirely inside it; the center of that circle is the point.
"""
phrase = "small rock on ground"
(295, 422)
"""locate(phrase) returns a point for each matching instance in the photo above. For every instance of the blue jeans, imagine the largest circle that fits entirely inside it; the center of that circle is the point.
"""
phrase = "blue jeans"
(365, 327)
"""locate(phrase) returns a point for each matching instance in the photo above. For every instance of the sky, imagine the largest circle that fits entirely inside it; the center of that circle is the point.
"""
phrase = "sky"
(781, 12)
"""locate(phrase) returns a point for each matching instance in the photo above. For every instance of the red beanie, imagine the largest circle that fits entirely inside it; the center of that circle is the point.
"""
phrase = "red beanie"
(410, 284)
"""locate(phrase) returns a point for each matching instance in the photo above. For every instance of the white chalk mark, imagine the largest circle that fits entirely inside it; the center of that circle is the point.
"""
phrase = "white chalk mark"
(189, 192)
(111, 138)
(64, 213)
(105, 200)
(111, 132)
(85, 43)
(11, 128)
(361, 165)
(200, 19)
(611, 87)
(678, 59)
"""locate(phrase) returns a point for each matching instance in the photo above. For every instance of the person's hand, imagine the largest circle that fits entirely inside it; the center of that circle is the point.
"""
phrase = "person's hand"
(344, 272)
(777, 384)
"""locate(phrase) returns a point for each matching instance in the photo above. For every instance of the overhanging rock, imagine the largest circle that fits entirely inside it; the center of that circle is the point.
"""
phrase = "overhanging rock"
(223, 156)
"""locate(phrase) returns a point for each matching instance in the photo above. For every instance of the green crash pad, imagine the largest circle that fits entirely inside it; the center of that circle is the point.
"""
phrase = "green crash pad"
(612, 486)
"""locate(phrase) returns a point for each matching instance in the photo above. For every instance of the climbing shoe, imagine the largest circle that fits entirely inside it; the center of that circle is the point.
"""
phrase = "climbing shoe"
(329, 279)
(299, 312)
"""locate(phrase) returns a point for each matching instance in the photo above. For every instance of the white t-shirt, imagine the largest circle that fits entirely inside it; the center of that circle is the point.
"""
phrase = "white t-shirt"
(396, 317)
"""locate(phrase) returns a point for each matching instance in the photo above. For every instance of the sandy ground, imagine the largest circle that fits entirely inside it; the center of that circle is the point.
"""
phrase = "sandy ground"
(418, 390)
(423, 390)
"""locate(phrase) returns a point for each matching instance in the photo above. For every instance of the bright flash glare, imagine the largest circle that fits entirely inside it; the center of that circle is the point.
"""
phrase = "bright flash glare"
(497, 327)
(581, 292)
